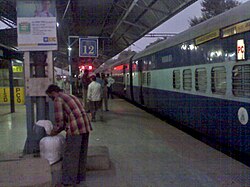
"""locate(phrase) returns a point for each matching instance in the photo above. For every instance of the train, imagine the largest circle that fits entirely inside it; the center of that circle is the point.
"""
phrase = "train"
(199, 78)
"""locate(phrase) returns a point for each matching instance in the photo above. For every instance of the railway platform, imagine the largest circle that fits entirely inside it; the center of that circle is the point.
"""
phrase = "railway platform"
(144, 151)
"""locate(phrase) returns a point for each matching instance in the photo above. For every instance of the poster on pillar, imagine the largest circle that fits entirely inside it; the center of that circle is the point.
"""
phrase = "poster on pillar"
(36, 25)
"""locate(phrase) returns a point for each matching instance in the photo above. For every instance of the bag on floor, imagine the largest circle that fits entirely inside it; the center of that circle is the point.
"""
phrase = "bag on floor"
(47, 124)
(51, 148)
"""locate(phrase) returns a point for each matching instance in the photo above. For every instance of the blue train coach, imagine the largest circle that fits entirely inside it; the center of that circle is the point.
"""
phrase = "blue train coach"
(199, 78)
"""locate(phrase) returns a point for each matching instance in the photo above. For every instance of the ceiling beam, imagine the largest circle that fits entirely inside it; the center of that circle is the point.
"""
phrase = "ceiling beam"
(135, 25)
(8, 22)
(147, 7)
(133, 4)
(66, 10)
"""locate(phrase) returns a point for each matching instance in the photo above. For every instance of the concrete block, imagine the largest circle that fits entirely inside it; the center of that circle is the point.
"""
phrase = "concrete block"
(25, 172)
(98, 158)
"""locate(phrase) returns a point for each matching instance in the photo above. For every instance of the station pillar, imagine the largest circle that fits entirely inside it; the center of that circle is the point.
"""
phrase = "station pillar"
(38, 75)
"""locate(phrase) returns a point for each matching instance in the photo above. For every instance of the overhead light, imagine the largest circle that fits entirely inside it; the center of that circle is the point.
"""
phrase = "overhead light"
(69, 48)
(57, 24)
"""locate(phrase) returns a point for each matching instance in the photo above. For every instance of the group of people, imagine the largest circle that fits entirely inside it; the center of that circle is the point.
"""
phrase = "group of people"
(96, 91)
(71, 116)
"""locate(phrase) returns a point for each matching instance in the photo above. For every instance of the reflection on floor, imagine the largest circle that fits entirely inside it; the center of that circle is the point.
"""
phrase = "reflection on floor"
(13, 131)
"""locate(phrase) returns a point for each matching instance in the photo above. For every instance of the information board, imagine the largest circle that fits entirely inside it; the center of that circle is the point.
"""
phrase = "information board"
(88, 47)
(36, 25)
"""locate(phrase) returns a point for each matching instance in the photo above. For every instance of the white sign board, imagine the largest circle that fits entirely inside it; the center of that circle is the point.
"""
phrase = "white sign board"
(36, 25)
(240, 50)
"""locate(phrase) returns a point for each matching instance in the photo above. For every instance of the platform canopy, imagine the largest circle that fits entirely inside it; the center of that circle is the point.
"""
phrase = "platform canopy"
(117, 23)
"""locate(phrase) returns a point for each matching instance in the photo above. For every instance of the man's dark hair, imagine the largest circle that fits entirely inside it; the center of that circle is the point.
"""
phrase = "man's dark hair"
(98, 75)
(53, 88)
(93, 78)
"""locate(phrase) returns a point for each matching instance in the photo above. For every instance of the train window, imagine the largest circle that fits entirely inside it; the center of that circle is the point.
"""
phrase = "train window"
(241, 81)
(187, 79)
(177, 79)
(148, 78)
(167, 58)
(152, 63)
(201, 79)
(219, 84)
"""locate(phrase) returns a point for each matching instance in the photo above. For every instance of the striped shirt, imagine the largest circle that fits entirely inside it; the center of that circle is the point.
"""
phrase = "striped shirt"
(70, 115)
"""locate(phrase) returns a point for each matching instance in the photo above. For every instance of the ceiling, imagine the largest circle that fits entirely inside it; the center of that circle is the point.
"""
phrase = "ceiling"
(117, 23)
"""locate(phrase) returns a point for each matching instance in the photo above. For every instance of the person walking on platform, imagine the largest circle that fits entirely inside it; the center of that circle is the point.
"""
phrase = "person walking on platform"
(111, 81)
(71, 117)
(95, 98)
(66, 86)
(59, 81)
(85, 83)
(103, 83)
(99, 80)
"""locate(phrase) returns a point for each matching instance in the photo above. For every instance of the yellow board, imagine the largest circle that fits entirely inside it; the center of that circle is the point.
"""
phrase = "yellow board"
(236, 29)
(17, 69)
(4, 95)
(207, 37)
(18, 95)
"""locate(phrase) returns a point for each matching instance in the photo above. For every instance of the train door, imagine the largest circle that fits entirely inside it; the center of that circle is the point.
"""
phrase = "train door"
(146, 78)
(140, 81)
(124, 80)
(132, 69)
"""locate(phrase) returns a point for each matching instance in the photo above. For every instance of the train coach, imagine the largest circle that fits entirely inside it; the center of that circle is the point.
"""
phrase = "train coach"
(199, 78)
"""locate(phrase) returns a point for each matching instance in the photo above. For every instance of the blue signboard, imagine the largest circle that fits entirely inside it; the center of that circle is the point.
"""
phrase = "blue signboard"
(88, 47)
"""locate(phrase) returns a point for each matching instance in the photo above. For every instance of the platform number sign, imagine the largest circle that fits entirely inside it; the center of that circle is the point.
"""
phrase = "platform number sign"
(88, 47)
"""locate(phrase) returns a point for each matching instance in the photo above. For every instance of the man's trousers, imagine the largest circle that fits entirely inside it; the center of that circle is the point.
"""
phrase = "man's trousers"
(75, 159)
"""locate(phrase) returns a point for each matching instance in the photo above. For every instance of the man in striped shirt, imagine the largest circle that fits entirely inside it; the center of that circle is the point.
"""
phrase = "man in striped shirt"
(71, 117)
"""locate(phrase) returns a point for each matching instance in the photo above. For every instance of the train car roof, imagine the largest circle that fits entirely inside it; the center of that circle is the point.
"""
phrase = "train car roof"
(122, 61)
(235, 15)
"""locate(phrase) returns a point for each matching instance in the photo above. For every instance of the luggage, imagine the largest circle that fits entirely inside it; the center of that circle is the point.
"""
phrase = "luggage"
(51, 147)
(47, 124)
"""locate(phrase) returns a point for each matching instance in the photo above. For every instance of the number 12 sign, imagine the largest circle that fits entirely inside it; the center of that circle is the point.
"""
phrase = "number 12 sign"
(88, 47)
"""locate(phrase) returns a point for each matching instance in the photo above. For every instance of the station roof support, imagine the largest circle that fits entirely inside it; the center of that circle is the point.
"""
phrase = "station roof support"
(118, 23)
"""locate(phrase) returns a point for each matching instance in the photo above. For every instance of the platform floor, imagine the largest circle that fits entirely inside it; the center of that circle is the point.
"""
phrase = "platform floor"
(144, 151)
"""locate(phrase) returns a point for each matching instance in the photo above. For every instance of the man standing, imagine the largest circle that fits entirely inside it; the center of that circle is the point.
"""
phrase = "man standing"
(95, 97)
(85, 83)
(111, 81)
(71, 117)
(59, 81)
